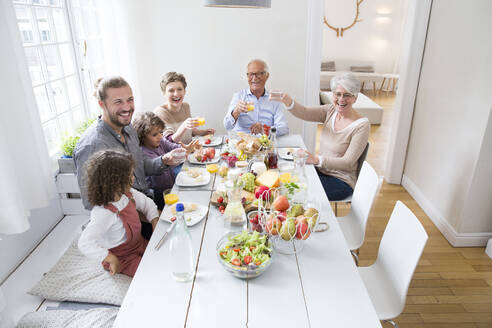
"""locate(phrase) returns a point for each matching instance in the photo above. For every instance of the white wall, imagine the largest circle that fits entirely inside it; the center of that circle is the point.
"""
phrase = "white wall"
(211, 47)
(450, 119)
(376, 38)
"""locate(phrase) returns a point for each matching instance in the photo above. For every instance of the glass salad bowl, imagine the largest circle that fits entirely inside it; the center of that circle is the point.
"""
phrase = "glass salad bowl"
(245, 254)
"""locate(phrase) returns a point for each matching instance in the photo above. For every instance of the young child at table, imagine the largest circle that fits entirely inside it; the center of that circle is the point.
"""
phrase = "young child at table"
(150, 134)
(113, 233)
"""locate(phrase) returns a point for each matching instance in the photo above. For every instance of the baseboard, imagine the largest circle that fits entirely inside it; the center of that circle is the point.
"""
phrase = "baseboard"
(456, 239)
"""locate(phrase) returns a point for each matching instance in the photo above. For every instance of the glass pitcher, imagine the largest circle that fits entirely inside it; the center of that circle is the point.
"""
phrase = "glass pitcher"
(234, 215)
(299, 176)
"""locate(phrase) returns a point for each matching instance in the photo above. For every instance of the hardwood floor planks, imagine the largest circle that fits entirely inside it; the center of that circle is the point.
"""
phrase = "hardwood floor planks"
(451, 287)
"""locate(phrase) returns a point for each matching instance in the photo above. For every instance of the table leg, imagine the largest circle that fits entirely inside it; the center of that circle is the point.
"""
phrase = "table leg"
(382, 84)
(374, 87)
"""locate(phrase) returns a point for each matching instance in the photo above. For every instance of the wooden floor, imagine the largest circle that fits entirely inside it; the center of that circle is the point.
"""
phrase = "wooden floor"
(451, 287)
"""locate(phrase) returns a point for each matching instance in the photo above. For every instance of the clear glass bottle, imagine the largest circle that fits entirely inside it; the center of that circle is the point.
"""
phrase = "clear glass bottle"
(271, 158)
(181, 249)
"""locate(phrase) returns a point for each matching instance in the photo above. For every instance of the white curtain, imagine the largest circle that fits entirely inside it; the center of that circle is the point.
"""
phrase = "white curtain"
(26, 177)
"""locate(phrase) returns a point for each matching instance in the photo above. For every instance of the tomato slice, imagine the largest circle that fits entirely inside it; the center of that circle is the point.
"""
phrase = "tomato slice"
(236, 262)
(237, 250)
(258, 262)
(247, 259)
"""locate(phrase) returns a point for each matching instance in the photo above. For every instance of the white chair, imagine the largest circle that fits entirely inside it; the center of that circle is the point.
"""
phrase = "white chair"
(353, 225)
(360, 161)
(387, 280)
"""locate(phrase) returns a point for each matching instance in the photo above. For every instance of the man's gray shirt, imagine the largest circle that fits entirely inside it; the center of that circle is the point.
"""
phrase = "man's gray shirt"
(101, 136)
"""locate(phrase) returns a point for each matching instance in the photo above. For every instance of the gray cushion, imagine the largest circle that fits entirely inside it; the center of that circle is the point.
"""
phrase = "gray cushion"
(77, 278)
(365, 69)
(100, 317)
(328, 66)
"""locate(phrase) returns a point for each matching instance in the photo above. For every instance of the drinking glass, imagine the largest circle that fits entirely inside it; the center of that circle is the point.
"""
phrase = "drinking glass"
(276, 95)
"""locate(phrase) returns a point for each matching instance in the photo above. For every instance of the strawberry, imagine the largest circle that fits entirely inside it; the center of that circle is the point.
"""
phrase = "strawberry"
(220, 200)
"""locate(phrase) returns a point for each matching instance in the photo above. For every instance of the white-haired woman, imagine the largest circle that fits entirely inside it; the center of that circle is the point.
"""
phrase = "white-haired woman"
(343, 138)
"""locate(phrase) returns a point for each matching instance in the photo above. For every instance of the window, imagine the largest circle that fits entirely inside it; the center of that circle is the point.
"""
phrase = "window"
(62, 75)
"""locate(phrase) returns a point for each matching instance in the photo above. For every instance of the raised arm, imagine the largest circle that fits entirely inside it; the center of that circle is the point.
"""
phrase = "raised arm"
(312, 114)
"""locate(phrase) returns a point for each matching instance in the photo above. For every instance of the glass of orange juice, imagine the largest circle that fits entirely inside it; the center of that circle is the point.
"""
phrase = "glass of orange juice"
(212, 168)
(200, 120)
(170, 199)
(251, 106)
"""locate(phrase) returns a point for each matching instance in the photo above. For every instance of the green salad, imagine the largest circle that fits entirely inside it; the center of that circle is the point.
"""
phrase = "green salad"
(246, 249)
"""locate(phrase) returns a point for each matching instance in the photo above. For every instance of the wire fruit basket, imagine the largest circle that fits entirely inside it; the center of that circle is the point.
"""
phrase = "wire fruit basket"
(288, 223)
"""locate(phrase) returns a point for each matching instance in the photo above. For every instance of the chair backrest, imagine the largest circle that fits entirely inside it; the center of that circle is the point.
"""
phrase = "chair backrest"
(365, 191)
(402, 245)
(362, 159)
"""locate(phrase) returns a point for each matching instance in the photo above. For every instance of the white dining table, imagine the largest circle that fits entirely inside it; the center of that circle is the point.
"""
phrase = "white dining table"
(318, 287)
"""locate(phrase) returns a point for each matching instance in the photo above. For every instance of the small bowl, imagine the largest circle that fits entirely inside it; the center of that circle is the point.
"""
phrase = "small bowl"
(243, 272)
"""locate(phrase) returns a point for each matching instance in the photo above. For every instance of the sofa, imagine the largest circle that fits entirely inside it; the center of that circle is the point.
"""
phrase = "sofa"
(364, 105)
(364, 70)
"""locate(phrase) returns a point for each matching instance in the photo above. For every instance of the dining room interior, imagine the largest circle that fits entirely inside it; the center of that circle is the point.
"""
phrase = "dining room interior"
(424, 64)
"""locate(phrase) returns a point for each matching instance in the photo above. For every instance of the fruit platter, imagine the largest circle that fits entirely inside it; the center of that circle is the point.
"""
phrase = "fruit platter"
(204, 156)
(246, 254)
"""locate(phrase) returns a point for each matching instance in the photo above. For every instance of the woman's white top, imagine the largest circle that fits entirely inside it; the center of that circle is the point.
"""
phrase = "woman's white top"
(105, 229)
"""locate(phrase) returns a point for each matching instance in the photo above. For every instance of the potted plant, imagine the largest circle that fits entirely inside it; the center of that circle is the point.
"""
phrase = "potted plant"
(65, 162)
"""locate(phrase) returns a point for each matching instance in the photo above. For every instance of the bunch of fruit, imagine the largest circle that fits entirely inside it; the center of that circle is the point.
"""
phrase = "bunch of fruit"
(230, 158)
(248, 180)
(264, 140)
(286, 221)
(203, 155)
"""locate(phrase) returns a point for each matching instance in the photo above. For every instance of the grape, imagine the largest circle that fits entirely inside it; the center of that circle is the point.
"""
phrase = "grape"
(249, 181)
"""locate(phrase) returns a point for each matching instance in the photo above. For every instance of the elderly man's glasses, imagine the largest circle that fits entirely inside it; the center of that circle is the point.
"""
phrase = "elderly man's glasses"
(345, 95)
(258, 74)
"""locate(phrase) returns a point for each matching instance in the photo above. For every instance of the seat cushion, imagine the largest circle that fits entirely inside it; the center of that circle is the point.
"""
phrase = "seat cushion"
(99, 317)
(77, 278)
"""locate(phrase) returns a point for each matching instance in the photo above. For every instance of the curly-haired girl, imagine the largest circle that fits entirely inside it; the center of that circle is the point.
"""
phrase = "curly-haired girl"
(113, 233)
(150, 134)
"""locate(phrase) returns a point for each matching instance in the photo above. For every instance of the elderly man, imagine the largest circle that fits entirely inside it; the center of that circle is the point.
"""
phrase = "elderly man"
(242, 117)
(113, 131)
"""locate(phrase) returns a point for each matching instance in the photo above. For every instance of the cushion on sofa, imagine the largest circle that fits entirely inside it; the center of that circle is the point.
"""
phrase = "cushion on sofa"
(99, 317)
(364, 69)
(328, 66)
(77, 278)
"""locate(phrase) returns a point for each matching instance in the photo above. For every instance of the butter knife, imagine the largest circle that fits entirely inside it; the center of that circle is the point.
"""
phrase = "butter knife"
(163, 238)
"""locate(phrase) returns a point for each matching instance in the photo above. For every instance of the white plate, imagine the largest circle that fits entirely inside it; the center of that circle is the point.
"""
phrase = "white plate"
(214, 141)
(216, 159)
(286, 153)
(184, 180)
(191, 218)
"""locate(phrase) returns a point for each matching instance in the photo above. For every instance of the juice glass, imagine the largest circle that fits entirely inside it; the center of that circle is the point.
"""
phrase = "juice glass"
(170, 199)
(201, 120)
(212, 168)
(276, 95)
(251, 106)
